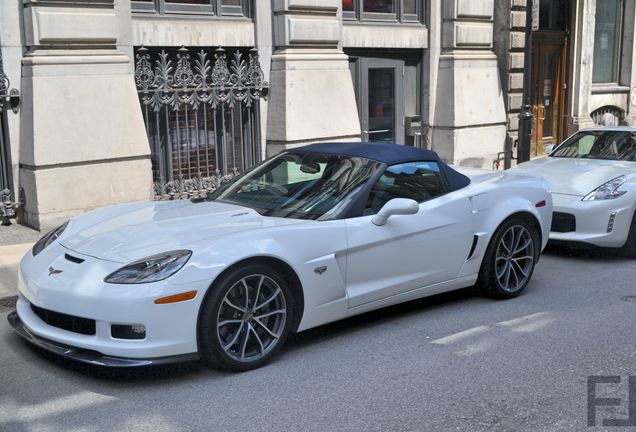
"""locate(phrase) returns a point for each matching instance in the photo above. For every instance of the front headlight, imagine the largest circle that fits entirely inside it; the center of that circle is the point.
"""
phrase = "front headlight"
(48, 238)
(607, 190)
(150, 269)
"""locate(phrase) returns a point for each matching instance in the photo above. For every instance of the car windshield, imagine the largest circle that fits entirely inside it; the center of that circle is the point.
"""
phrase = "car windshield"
(610, 145)
(298, 185)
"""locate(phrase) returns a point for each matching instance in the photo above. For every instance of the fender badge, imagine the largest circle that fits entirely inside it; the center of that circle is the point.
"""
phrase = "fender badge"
(320, 270)
(53, 271)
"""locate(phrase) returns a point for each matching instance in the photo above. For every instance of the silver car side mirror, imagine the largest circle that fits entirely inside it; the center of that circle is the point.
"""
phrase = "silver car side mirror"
(549, 148)
(396, 206)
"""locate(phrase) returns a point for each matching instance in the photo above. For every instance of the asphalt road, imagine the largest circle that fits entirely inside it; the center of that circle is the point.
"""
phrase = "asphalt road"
(452, 362)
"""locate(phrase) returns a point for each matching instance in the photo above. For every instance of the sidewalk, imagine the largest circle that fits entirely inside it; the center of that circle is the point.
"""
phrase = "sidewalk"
(15, 241)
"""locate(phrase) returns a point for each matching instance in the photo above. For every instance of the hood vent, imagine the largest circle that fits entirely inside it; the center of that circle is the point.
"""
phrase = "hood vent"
(71, 258)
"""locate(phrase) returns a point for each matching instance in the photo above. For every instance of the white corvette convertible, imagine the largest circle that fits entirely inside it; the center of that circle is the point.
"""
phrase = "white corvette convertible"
(313, 235)
(592, 177)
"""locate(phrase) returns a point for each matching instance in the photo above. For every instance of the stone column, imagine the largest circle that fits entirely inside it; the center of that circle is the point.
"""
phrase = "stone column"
(11, 50)
(583, 56)
(82, 142)
(469, 122)
(311, 91)
(509, 44)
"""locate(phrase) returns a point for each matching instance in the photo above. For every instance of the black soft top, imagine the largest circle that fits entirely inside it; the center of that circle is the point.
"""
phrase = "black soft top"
(389, 154)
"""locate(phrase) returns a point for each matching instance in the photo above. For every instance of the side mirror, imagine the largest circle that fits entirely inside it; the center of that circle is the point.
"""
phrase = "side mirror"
(397, 206)
(549, 148)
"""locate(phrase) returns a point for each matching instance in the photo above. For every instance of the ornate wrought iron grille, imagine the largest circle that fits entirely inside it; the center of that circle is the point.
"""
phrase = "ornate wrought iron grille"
(201, 113)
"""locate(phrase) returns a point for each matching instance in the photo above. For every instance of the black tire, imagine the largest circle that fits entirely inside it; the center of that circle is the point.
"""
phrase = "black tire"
(501, 267)
(629, 248)
(221, 307)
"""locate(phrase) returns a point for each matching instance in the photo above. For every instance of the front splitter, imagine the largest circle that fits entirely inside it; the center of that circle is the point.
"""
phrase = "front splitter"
(89, 356)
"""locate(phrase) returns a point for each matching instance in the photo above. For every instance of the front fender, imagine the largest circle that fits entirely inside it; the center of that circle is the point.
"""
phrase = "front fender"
(316, 252)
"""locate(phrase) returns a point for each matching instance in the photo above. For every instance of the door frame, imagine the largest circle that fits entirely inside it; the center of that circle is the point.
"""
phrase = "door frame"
(359, 67)
(555, 41)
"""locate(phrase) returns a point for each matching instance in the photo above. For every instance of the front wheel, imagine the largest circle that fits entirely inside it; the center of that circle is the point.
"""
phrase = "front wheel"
(245, 319)
(509, 259)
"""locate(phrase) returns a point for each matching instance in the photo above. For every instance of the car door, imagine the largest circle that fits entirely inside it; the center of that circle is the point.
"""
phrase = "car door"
(409, 251)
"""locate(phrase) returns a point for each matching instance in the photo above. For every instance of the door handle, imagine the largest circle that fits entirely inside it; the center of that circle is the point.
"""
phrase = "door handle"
(542, 112)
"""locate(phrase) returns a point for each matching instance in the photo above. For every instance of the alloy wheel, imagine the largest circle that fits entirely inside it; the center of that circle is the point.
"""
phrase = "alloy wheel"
(514, 258)
(251, 318)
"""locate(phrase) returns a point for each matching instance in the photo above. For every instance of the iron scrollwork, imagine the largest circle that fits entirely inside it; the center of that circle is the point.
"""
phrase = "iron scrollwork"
(192, 80)
(181, 81)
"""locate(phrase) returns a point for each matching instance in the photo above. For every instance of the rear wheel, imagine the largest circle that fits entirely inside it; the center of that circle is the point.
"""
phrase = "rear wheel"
(509, 259)
(245, 319)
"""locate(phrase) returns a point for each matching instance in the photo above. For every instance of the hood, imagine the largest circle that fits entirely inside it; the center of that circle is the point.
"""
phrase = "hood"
(130, 232)
(572, 176)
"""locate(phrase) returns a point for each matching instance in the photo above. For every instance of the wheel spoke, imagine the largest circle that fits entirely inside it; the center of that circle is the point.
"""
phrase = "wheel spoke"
(231, 343)
(508, 267)
(523, 247)
(526, 257)
(258, 290)
(232, 305)
(513, 271)
(274, 312)
(258, 339)
(271, 333)
(503, 243)
(247, 294)
(503, 270)
(226, 322)
(244, 344)
(517, 238)
(273, 296)
(520, 269)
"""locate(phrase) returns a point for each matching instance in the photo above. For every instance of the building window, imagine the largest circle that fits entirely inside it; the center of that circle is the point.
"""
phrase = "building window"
(382, 10)
(607, 38)
(195, 7)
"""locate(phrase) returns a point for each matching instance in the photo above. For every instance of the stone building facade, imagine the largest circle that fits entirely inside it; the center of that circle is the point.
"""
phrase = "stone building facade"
(118, 94)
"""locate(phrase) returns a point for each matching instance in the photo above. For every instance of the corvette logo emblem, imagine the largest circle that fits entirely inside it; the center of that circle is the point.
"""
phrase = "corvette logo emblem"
(53, 271)
(320, 270)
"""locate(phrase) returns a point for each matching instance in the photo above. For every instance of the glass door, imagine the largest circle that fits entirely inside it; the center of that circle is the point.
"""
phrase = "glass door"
(382, 100)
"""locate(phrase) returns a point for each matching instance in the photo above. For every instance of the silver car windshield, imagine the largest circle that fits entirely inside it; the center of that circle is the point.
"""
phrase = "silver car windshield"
(298, 185)
(609, 145)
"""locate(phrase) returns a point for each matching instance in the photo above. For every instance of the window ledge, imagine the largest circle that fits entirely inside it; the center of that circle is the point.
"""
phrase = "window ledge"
(609, 88)
(354, 22)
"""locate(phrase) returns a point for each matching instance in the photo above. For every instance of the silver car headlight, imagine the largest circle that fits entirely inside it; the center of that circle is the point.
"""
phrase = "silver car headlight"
(48, 238)
(607, 190)
(150, 269)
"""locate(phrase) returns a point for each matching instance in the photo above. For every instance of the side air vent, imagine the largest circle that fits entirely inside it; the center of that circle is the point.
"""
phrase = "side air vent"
(71, 258)
(473, 247)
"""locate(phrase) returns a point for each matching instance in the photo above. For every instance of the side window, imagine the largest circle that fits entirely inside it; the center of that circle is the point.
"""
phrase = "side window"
(419, 181)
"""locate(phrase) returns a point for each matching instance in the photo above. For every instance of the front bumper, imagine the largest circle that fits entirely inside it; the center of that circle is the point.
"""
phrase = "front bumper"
(78, 291)
(88, 356)
(593, 218)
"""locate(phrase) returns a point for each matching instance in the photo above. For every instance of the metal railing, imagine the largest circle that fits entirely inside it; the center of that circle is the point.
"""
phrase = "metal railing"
(201, 113)
(8, 98)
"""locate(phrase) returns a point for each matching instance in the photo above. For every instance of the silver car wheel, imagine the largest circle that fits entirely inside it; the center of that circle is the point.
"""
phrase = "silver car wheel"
(514, 258)
(251, 318)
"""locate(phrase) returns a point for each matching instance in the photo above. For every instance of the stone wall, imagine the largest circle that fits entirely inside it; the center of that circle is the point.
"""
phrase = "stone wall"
(468, 121)
(82, 139)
